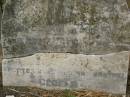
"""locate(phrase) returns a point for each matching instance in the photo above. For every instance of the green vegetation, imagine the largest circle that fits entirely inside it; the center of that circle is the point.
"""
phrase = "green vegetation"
(67, 93)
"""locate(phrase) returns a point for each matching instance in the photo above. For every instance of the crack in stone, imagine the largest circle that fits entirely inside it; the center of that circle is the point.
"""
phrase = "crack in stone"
(65, 53)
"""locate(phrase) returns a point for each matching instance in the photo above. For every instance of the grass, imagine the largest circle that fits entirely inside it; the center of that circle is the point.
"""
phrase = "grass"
(67, 93)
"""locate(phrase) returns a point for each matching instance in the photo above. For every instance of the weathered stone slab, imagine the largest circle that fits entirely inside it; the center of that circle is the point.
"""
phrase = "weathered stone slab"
(74, 26)
(69, 71)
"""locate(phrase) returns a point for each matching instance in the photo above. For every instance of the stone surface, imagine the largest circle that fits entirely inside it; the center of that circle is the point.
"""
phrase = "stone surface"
(60, 26)
(128, 3)
(45, 44)
(1, 3)
(69, 71)
(0, 18)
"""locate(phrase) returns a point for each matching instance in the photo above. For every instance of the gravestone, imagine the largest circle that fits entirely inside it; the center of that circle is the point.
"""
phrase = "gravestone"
(78, 27)
(69, 71)
(73, 44)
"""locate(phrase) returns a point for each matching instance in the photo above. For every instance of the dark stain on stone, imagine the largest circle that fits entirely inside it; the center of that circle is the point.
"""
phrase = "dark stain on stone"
(102, 59)
(98, 36)
(32, 76)
(38, 58)
(74, 84)
(10, 10)
(55, 12)
(42, 81)
(86, 65)
(1, 5)
(128, 3)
